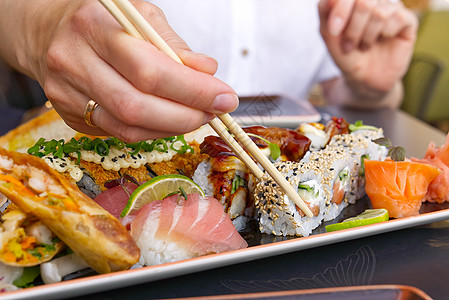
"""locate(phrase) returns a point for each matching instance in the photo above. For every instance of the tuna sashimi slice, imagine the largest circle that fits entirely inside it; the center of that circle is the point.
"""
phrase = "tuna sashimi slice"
(174, 229)
(114, 200)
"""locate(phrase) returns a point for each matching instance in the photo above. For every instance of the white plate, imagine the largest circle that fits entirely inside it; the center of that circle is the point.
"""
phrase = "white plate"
(98, 283)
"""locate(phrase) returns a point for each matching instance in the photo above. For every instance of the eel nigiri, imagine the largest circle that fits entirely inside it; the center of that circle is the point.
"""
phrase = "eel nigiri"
(398, 186)
(174, 229)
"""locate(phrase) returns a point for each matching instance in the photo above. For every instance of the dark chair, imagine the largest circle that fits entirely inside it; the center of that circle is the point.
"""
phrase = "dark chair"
(420, 82)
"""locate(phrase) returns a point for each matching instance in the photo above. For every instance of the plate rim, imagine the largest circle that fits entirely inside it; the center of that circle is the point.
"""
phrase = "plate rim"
(110, 281)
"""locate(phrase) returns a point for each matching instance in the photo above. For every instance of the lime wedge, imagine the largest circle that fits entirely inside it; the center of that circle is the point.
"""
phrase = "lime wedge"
(157, 189)
(369, 216)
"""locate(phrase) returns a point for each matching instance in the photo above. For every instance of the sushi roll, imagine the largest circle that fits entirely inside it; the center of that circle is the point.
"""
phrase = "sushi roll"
(328, 180)
(277, 214)
(359, 145)
(321, 179)
(335, 168)
(227, 179)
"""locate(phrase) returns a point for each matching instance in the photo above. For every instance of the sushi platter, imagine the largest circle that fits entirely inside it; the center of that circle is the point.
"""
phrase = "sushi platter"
(263, 226)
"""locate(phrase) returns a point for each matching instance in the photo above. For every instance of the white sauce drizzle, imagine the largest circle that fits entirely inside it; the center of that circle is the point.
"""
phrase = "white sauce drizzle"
(115, 160)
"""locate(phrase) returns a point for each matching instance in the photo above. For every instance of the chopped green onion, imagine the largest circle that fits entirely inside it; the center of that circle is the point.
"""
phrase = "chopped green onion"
(59, 148)
(100, 147)
(160, 145)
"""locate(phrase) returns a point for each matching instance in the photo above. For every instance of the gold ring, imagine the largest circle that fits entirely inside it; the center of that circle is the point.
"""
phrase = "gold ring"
(88, 111)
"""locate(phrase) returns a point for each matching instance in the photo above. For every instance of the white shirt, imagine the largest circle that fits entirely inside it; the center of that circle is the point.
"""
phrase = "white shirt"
(262, 46)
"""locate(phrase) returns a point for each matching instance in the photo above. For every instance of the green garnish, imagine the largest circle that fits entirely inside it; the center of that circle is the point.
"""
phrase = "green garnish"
(27, 278)
(358, 125)
(275, 151)
(395, 153)
(180, 192)
(60, 148)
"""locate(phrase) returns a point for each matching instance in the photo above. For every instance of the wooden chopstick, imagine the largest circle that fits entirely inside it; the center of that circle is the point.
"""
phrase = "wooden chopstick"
(115, 10)
(146, 31)
(122, 19)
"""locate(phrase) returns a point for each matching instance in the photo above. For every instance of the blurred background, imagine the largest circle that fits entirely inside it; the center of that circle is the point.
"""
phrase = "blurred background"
(426, 82)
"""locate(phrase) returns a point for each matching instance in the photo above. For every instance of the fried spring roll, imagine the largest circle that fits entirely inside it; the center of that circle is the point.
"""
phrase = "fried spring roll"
(25, 241)
(89, 230)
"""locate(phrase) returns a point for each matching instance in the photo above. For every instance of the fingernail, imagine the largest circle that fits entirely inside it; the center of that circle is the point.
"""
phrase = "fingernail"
(225, 103)
(348, 47)
(335, 26)
(202, 55)
(208, 117)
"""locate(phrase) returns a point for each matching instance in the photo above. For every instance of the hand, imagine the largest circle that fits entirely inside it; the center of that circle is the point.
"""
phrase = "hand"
(77, 51)
(371, 41)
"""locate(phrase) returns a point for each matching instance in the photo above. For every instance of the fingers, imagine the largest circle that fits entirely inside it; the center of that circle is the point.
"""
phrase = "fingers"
(362, 23)
(153, 72)
(157, 19)
(125, 111)
(141, 92)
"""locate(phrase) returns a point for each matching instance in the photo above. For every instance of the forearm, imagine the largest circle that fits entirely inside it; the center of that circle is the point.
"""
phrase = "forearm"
(339, 92)
(25, 29)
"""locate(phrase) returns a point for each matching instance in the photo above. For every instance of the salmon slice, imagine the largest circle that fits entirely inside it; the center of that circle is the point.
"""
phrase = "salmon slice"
(398, 187)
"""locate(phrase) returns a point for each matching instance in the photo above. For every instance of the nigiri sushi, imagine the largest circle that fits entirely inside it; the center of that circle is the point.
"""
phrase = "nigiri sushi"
(174, 229)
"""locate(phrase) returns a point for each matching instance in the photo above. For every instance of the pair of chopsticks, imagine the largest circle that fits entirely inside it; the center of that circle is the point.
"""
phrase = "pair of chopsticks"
(137, 26)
